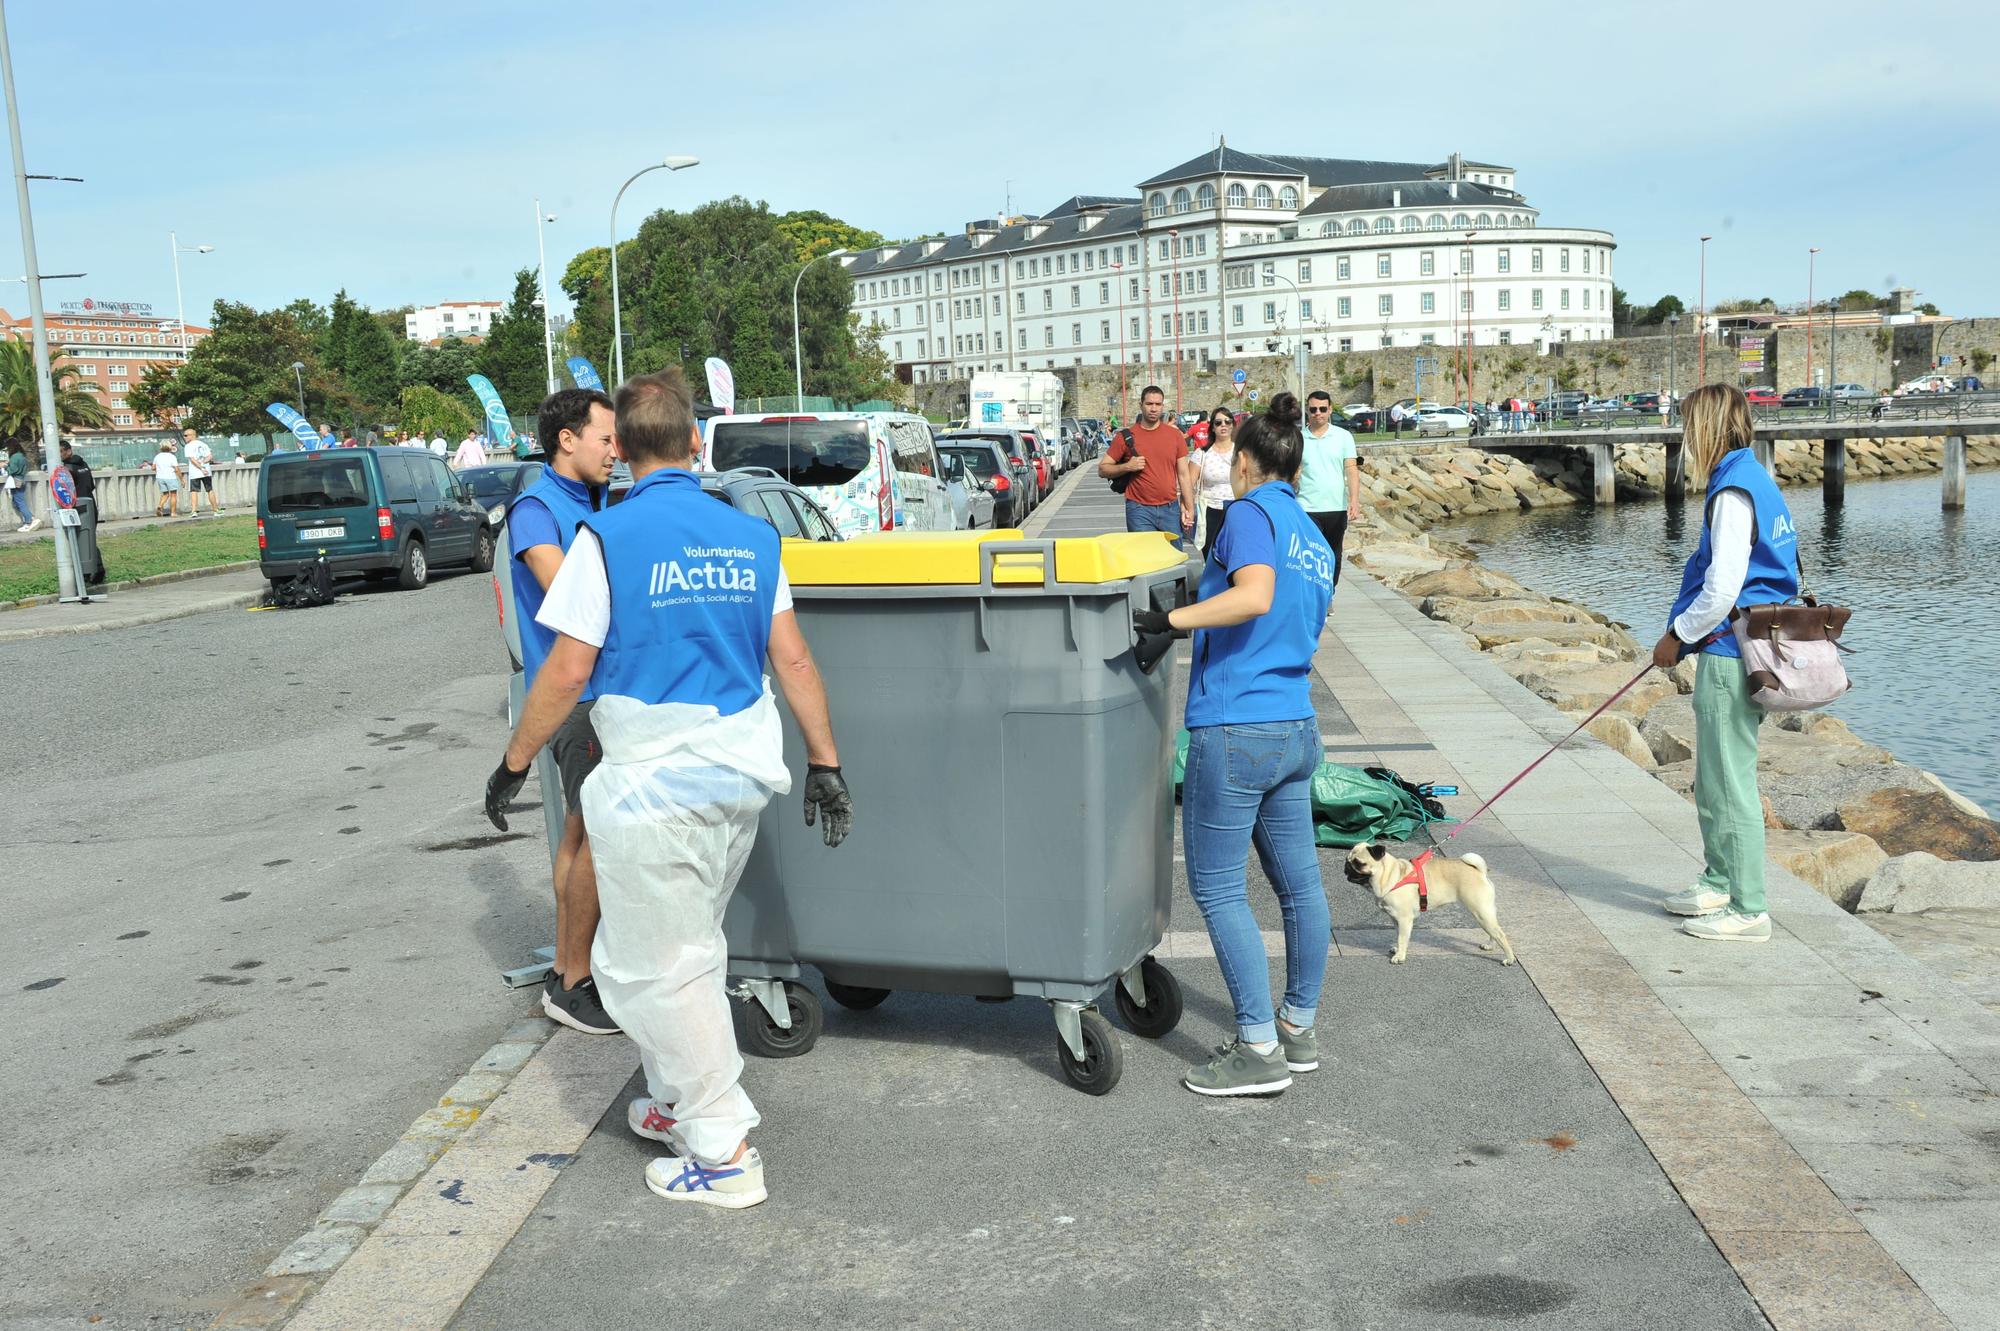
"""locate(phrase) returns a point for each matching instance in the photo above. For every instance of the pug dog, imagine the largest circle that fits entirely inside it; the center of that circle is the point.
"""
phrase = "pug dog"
(1462, 880)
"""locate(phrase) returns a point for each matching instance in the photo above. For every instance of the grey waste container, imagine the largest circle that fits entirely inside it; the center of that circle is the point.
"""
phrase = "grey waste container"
(1011, 765)
(86, 540)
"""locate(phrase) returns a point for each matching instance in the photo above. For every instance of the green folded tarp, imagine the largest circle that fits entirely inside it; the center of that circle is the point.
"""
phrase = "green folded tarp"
(1350, 805)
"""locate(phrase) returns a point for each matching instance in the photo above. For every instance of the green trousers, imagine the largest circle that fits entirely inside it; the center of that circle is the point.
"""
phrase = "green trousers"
(1725, 782)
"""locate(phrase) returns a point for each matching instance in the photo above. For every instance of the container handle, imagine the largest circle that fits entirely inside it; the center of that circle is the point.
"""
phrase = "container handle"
(1015, 554)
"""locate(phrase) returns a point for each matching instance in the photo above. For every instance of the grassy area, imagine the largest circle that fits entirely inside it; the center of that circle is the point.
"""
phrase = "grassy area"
(29, 569)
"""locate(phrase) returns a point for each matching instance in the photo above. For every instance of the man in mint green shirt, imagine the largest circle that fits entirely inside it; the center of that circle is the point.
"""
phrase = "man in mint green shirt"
(1330, 475)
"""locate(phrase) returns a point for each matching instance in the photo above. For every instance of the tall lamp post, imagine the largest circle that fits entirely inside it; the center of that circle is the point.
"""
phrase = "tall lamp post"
(1673, 357)
(542, 262)
(798, 355)
(1175, 235)
(1298, 359)
(617, 315)
(1124, 413)
(1812, 255)
(299, 374)
(180, 312)
(1701, 300)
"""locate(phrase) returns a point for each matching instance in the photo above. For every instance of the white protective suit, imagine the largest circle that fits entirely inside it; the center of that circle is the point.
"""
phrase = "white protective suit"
(672, 813)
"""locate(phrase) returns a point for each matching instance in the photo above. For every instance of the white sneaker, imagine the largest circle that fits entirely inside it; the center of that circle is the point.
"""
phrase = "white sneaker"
(26, 526)
(1731, 927)
(1697, 900)
(649, 1118)
(733, 1186)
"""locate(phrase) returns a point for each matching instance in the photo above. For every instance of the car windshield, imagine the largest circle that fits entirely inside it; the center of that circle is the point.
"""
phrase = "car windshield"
(804, 452)
(316, 483)
(982, 461)
(490, 484)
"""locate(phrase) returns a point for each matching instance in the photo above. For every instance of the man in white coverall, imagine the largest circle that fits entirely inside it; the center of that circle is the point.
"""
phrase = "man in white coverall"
(668, 606)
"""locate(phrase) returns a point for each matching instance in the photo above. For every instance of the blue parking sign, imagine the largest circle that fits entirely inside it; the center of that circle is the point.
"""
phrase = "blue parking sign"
(1237, 376)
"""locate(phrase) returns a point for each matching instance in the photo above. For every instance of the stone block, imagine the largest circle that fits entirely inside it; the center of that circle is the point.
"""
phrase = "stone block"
(1836, 864)
(1585, 688)
(1920, 881)
(1463, 580)
(1903, 821)
(1668, 729)
(1618, 732)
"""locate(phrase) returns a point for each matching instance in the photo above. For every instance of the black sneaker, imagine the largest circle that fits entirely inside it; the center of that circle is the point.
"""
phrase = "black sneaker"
(577, 1007)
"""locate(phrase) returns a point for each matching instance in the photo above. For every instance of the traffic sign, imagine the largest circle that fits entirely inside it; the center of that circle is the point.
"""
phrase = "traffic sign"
(1237, 376)
(1253, 395)
(62, 488)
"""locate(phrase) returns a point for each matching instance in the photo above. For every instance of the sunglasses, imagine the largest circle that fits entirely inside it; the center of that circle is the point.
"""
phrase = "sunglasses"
(1318, 411)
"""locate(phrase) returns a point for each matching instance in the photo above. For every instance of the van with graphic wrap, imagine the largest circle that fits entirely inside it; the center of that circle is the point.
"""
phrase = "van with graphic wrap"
(870, 470)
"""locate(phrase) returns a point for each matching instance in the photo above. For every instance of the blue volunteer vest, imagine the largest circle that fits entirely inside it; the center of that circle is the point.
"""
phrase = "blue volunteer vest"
(569, 502)
(1260, 670)
(692, 582)
(1773, 574)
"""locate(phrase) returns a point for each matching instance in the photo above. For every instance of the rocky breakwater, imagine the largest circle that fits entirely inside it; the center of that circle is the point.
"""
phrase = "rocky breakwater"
(1868, 831)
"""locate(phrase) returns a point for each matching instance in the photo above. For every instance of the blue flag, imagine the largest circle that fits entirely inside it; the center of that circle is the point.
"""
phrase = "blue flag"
(300, 427)
(498, 427)
(584, 373)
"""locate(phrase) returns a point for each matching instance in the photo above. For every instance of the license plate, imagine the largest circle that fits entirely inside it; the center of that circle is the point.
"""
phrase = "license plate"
(322, 533)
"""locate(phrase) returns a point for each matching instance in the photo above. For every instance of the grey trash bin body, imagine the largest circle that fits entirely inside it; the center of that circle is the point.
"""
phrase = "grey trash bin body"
(1011, 766)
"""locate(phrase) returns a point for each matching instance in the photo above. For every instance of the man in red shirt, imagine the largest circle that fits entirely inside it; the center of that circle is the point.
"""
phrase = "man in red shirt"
(1149, 452)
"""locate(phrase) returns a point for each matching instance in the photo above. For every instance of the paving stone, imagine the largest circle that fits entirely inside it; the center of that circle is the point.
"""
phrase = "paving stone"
(401, 1283)
(1940, 1171)
(1750, 1183)
(476, 1189)
(1828, 1282)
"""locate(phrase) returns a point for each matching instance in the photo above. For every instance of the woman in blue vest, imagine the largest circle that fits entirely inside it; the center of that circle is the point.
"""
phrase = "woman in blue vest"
(1748, 556)
(1253, 743)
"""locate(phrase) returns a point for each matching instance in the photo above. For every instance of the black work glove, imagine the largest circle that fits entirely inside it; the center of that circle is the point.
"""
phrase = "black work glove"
(827, 797)
(501, 788)
(1148, 623)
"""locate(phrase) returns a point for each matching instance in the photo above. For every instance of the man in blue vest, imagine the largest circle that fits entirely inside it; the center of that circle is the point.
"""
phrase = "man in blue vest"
(541, 523)
(667, 609)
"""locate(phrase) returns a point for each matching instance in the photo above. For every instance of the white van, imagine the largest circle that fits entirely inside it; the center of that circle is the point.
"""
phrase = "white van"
(870, 470)
(1021, 400)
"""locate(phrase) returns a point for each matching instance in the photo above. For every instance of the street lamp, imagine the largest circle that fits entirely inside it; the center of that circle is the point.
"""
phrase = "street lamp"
(798, 355)
(617, 320)
(542, 257)
(1175, 234)
(1298, 351)
(299, 374)
(1812, 255)
(180, 313)
(1673, 356)
(1702, 301)
(1124, 411)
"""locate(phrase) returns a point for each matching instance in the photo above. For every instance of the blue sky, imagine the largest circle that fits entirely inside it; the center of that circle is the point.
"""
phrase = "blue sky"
(396, 149)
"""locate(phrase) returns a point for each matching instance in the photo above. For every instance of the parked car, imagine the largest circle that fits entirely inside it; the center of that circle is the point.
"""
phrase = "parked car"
(496, 484)
(1443, 420)
(869, 470)
(1365, 420)
(1021, 487)
(1183, 421)
(1928, 383)
(1039, 451)
(971, 501)
(1851, 392)
(1356, 408)
(1563, 405)
(1095, 436)
(382, 511)
(1762, 397)
(1804, 397)
(985, 468)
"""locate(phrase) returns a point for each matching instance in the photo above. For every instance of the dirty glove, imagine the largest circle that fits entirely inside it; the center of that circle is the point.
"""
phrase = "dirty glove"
(501, 788)
(1147, 623)
(826, 795)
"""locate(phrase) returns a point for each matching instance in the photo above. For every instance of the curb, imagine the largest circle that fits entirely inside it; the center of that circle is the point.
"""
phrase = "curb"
(156, 580)
(234, 601)
(341, 1227)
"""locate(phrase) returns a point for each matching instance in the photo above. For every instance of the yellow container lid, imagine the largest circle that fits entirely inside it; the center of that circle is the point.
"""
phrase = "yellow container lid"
(943, 559)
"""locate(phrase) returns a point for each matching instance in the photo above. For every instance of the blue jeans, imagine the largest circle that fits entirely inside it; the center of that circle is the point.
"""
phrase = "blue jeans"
(1250, 785)
(1155, 517)
(20, 498)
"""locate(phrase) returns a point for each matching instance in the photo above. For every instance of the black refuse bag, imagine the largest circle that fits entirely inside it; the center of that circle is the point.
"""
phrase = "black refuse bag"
(310, 586)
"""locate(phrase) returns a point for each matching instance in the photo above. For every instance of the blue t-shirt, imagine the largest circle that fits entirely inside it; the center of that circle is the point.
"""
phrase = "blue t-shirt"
(1261, 670)
(532, 524)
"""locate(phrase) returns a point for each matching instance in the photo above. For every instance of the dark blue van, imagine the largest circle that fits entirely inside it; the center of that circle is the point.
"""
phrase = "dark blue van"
(374, 511)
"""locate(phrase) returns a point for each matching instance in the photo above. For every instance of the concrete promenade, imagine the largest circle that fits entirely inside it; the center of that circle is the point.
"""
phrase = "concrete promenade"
(1631, 1128)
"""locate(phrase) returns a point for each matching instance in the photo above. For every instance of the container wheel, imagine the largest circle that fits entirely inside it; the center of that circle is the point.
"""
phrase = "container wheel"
(765, 1038)
(860, 997)
(1103, 1058)
(1163, 1002)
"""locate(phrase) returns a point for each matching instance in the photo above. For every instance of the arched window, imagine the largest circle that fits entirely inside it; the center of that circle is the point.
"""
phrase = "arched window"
(1157, 205)
(1517, 219)
(1289, 198)
(1460, 219)
(1485, 219)
(1385, 224)
(1330, 229)
(1205, 197)
(1237, 196)
(1357, 227)
(1181, 201)
(1262, 198)
(1437, 222)
(1412, 224)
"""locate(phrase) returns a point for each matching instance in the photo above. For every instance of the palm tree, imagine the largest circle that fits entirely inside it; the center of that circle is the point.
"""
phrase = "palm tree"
(20, 397)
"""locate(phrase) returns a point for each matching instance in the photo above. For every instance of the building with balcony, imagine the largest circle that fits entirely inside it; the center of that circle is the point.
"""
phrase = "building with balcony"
(112, 345)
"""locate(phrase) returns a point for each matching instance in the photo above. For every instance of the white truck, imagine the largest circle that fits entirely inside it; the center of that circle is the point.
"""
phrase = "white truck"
(1023, 400)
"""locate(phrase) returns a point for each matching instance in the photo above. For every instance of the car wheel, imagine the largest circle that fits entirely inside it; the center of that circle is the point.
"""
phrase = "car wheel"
(416, 570)
(482, 551)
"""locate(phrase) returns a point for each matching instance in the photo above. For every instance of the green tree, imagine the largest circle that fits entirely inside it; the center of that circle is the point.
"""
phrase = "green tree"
(311, 319)
(1859, 300)
(512, 355)
(443, 367)
(21, 395)
(370, 370)
(1663, 307)
(813, 233)
(1927, 308)
(1621, 306)
(243, 366)
(429, 414)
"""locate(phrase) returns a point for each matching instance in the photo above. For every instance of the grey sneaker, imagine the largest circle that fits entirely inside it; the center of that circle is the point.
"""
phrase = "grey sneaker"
(1697, 900)
(1731, 927)
(1301, 1049)
(1237, 1069)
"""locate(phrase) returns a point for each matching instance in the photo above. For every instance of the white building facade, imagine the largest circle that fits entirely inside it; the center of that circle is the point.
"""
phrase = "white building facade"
(453, 318)
(1241, 254)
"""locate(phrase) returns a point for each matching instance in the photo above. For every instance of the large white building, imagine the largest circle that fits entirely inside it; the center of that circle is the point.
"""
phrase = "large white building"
(1241, 254)
(453, 318)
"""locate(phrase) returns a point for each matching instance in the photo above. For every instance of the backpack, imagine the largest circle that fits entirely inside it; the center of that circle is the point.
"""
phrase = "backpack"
(310, 586)
(1791, 653)
(1119, 483)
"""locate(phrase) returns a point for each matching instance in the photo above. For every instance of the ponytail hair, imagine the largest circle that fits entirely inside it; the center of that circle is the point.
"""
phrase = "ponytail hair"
(1272, 439)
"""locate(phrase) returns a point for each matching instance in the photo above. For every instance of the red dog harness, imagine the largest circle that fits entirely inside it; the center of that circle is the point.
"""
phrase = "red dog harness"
(1416, 875)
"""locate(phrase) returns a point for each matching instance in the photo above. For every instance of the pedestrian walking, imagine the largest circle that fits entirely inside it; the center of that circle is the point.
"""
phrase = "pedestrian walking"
(438, 445)
(1253, 743)
(1748, 556)
(200, 473)
(167, 478)
(541, 523)
(667, 609)
(471, 453)
(17, 487)
(1330, 475)
(84, 482)
(1208, 475)
(1396, 414)
(1147, 455)
(327, 439)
